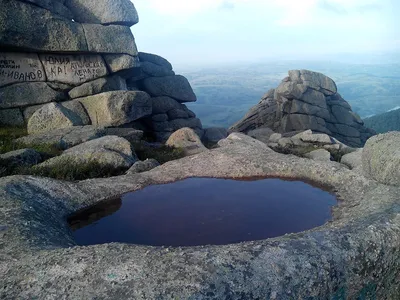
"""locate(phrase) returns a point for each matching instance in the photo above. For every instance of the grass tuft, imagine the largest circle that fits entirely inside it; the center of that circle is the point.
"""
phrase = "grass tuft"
(71, 170)
(68, 169)
(162, 153)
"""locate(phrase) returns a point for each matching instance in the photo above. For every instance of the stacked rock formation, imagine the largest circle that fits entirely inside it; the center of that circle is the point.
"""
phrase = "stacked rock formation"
(168, 92)
(67, 63)
(306, 100)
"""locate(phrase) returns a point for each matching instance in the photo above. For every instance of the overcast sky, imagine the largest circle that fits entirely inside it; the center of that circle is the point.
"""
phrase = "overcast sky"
(191, 32)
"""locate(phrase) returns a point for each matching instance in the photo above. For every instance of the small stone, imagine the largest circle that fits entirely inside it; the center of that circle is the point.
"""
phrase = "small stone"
(275, 137)
(188, 140)
(320, 155)
(353, 160)
(261, 134)
(143, 166)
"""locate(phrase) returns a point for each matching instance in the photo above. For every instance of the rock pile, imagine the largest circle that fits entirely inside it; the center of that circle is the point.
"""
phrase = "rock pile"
(306, 100)
(168, 92)
(75, 63)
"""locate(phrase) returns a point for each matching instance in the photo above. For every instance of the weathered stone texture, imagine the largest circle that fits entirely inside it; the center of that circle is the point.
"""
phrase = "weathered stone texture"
(53, 116)
(101, 85)
(20, 67)
(177, 87)
(26, 26)
(64, 138)
(21, 157)
(143, 166)
(11, 117)
(106, 151)
(355, 256)
(306, 100)
(381, 158)
(122, 62)
(121, 12)
(55, 6)
(187, 140)
(73, 69)
(117, 107)
(28, 94)
(155, 59)
(110, 39)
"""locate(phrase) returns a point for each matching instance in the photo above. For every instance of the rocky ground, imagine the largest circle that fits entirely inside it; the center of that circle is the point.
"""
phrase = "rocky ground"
(353, 257)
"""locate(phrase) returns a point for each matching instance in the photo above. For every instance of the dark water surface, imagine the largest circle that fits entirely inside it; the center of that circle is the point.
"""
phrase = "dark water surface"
(202, 211)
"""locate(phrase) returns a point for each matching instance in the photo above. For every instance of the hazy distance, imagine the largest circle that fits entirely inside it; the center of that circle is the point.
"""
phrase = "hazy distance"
(210, 32)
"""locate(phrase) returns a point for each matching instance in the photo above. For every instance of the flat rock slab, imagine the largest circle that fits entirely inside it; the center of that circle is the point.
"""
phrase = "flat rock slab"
(28, 94)
(73, 69)
(130, 134)
(176, 87)
(97, 86)
(110, 39)
(354, 256)
(28, 26)
(20, 67)
(122, 62)
(155, 59)
(64, 138)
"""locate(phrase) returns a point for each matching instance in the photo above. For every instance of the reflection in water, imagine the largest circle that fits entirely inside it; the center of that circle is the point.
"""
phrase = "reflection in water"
(94, 213)
(201, 211)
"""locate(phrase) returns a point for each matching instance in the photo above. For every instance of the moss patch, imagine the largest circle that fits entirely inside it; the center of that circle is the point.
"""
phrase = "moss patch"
(72, 171)
(7, 137)
(160, 153)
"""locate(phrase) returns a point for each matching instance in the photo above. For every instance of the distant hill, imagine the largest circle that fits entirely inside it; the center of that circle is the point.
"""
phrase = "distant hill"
(389, 121)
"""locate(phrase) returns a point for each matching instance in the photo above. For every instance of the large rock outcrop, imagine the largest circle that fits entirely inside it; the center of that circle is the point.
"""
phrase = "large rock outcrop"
(83, 52)
(306, 100)
(381, 158)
